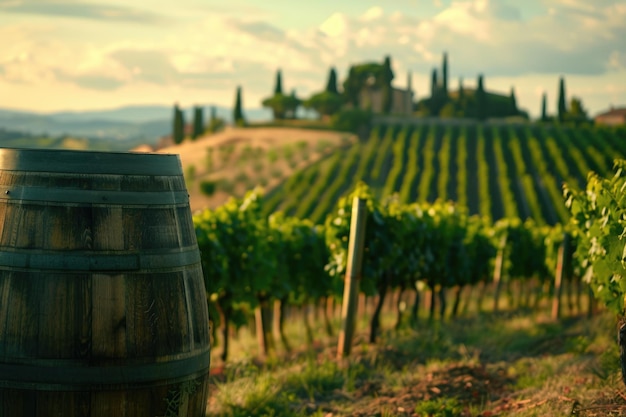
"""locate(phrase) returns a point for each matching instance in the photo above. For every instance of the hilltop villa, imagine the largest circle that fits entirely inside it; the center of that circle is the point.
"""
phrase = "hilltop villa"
(612, 117)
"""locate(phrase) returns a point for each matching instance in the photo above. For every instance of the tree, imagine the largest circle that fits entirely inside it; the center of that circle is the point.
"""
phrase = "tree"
(562, 109)
(278, 88)
(448, 110)
(331, 86)
(433, 83)
(544, 114)
(198, 122)
(444, 74)
(215, 123)
(282, 106)
(325, 103)
(238, 111)
(409, 89)
(293, 104)
(352, 120)
(577, 113)
(513, 102)
(481, 100)
(461, 92)
(178, 131)
(329, 101)
(352, 87)
(387, 90)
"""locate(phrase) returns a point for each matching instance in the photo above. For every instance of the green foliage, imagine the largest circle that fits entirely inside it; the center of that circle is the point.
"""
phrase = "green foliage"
(237, 258)
(325, 103)
(208, 187)
(178, 129)
(305, 255)
(444, 74)
(387, 78)
(436, 243)
(190, 175)
(561, 105)
(379, 252)
(371, 74)
(576, 114)
(278, 88)
(482, 110)
(525, 250)
(315, 380)
(351, 120)
(282, 105)
(599, 219)
(238, 110)
(216, 124)
(439, 407)
(448, 111)
(331, 86)
(198, 122)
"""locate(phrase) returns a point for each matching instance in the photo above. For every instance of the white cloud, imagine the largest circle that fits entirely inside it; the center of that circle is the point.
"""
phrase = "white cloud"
(617, 61)
(373, 13)
(464, 18)
(336, 25)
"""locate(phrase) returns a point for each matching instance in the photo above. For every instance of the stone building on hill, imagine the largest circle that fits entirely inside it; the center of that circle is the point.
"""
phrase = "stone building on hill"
(613, 117)
(401, 99)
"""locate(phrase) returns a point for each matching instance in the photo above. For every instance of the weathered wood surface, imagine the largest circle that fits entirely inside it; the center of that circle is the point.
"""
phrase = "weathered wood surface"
(102, 301)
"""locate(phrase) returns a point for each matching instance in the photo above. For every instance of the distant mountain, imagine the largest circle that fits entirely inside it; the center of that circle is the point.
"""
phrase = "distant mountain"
(135, 123)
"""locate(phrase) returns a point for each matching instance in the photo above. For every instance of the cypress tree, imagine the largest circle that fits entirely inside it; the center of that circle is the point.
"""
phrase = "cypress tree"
(198, 122)
(278, 89)
(544, 115)
(561, 104)
(513, 102)
(331, 86)
(461, 92)
(481, 100)
(387, 89)
(294, 103)
(444, 74)
(433, 83)
(351, 87)
(409, 89)
(178, 129)
(238, 111)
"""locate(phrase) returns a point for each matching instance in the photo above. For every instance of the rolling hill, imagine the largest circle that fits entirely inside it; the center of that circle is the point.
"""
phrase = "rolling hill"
(494, 169)
(239, 159)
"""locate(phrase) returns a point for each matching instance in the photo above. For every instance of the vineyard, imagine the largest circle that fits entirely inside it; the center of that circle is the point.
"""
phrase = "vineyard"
(424, 254)
(276, 268)
(497, 171)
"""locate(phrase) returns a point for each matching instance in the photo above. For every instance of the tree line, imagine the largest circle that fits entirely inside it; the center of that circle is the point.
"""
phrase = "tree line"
(351, 108)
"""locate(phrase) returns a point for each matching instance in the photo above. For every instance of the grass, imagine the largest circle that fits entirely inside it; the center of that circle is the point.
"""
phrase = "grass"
(517, 363)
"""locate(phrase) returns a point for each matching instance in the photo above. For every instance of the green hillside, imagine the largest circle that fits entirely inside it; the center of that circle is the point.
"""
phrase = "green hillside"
(495, 170)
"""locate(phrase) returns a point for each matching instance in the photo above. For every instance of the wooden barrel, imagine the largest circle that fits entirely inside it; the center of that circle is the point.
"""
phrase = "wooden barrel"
(102, 302)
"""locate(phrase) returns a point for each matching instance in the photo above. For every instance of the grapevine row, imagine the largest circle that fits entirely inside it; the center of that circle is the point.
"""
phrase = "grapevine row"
(502, 171)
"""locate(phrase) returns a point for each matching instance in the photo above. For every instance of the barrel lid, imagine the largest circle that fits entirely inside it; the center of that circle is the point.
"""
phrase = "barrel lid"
(89, 162)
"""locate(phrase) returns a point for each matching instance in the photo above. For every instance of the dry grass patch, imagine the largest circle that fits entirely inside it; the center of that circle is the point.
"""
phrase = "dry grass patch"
(238, 159)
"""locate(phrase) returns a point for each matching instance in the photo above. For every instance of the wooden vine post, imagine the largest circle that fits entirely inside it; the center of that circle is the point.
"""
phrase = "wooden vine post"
(353, 276)
(562, 268)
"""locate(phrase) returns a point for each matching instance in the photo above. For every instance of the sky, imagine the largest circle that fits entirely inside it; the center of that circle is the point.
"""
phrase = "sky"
(60, 55)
